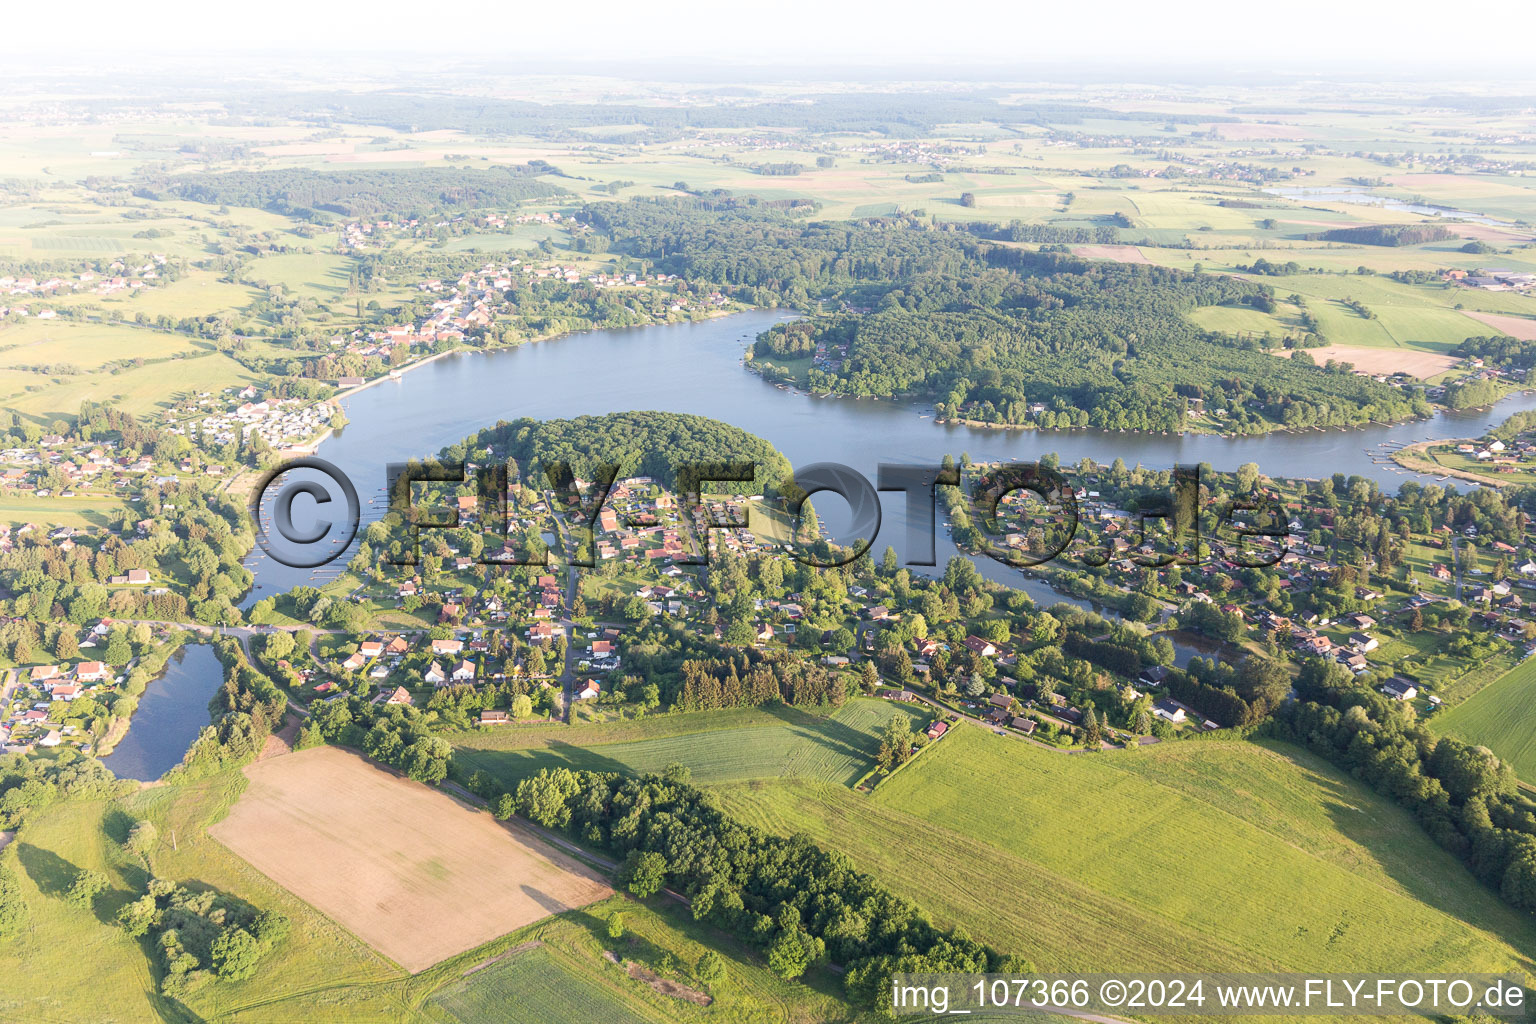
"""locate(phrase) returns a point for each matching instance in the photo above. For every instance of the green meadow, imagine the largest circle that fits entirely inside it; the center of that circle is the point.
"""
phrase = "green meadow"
(718, 746)
(140, 390)
(1197, 856)
(72, 964)
(1502, 717)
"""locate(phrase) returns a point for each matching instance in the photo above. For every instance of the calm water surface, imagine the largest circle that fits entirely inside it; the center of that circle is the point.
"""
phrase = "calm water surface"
(696, 368)
(172, 711)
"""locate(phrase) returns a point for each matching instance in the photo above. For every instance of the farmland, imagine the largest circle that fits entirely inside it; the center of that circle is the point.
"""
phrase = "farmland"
(782, 743)
(324, 969)
(425, 877)
(1502, 717)
(990, 826)
(532, 987)
(110, 976)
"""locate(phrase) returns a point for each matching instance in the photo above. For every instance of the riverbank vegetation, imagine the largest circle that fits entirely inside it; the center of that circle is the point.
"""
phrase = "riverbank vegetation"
(994, 334)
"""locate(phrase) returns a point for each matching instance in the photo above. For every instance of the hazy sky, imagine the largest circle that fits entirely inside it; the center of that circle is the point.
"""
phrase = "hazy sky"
(1297, 35)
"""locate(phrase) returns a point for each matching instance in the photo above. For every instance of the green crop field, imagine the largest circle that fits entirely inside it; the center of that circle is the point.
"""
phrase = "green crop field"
(86, 345)
(533, 987)
(321, 276)
(1502, 717)
(1079, 861)
(140, 390)
(80, 511)
(785, 743)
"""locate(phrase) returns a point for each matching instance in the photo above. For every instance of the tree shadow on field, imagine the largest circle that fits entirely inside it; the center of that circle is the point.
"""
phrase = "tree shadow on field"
(629, 946)
(117, 823)
(1438, 880)
(172, 1011)
(51, 873)
(830, 734)
(509, 767)
(544, 900)
(53, 876)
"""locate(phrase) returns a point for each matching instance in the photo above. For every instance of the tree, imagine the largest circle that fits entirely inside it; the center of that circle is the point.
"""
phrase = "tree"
(791, 953)
(1247, 477)
(505, 807)
(895, 742)
(138, 917)
(13, 908)
(643, 873)
(142, 838)
(522, 706)
(1092, 734)
(235, 954)
(616, 925)
(711, 966)
(85, 888)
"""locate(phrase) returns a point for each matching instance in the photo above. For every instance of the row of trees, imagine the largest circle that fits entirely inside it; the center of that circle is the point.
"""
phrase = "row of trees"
(1464, 796)
(786, 896)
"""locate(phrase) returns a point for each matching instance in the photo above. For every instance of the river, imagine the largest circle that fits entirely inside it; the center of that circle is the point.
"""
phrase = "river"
(172, 711)
(697, 368)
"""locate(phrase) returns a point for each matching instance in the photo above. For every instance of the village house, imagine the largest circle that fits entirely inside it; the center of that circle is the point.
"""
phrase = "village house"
(400, 695)
(980, 647)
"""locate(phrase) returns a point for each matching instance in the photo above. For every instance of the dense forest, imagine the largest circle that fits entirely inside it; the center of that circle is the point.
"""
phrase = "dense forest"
(299, 192)
(900, 114)
(1386, 234)
(654, 444)
(988, 331)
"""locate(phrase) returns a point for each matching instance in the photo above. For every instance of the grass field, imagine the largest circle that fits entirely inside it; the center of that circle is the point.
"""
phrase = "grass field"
(718, 746)
(533, 987)
(85, 345)
(141, 390)
(76, 965)
(1200, 856)
(1502, 717)
(79, 511)
(412, 872)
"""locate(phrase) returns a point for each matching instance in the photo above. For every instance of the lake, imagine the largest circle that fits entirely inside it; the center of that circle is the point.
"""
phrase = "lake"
(1361, 197)
(172, 711)
(697, 368)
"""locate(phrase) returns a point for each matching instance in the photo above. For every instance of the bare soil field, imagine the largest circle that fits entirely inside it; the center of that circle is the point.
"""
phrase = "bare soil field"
(1422, 365)
(412, 872)
(1118, 253)
(1514, 326)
